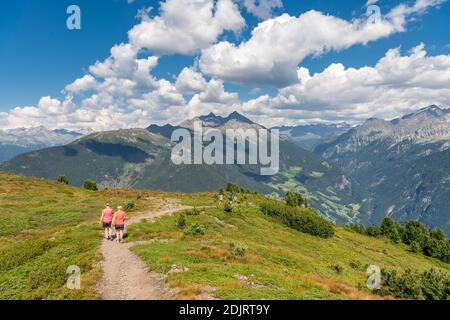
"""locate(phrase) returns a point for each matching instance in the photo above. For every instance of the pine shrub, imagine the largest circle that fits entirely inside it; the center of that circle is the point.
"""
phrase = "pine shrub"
(302, 219)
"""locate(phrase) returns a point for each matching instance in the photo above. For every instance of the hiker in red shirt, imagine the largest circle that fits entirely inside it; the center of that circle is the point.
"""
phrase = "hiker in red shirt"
(106, 220)
(119, 223)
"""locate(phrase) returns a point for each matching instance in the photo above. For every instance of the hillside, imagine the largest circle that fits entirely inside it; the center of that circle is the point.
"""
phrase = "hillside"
(140, 158)
(46, 226)
(277, 263)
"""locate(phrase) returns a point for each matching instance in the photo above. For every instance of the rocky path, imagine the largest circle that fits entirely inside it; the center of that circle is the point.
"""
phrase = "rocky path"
(125, 276)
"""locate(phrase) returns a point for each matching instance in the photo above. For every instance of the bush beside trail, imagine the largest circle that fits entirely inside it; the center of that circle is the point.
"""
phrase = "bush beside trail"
(428, 285)
(305, 220)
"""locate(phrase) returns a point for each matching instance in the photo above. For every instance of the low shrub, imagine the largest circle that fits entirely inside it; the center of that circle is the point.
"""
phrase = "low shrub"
(195, 229)
(237, 249)
(432, 243)
(181, 221)
(63, 180)
(22, 252)
(194, 212)
(373, 231)
(228, 208)
(235, 189)
(415, 247)
(90, 185)
(358, 227)
(390, 229)
(415, 231)
(438, 234)
(429, 285)
(296, 200)
(302, 219)
(355, 264)
(232, 187)
(337, 268)
(130, 206)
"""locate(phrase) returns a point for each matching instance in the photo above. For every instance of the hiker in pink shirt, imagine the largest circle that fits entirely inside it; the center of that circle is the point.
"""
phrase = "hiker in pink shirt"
(119, 223)
(106, 220)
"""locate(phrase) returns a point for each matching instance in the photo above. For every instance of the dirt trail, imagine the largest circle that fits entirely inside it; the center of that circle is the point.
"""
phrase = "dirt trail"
(125, 276)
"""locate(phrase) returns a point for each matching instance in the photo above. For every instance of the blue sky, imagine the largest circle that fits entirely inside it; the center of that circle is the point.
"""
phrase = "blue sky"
(39, 56)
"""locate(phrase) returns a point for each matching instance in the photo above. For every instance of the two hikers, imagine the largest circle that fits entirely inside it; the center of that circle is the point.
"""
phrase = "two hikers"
(110, 219)
(230, 196)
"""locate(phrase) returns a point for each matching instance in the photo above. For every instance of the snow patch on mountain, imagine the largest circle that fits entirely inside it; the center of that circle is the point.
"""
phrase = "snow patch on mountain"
(37, 136)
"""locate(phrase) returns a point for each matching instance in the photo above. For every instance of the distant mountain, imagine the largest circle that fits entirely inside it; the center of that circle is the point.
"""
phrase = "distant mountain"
(165, 131)
(234, 120)
(401, 168)
(310, 136)
(16, 141)
(140, 158)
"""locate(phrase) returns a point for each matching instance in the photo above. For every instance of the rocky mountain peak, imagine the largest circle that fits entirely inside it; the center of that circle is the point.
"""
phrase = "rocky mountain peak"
(239, 117)
(432, 111)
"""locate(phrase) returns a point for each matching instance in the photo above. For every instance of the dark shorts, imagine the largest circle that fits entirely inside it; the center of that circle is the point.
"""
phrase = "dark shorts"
(107, 224)
(120, 227)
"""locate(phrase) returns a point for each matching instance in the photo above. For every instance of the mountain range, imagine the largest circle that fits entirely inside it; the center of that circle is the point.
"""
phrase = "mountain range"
(141, 158)
(398, 168)
(310, 136)
(16, 141)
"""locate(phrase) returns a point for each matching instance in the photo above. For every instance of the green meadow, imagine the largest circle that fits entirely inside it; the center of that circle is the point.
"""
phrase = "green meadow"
(274, 261)
(45, 227)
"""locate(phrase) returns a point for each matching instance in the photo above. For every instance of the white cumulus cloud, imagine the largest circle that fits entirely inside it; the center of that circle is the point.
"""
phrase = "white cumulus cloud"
(262, 8)
(121, 92)
(185, 26)
(277, 46)
(190, 81)
(85, 83)
(396, 85)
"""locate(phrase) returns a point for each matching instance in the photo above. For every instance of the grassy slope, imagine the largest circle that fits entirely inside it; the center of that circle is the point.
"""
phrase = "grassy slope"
(46, 227)
(280, 263)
